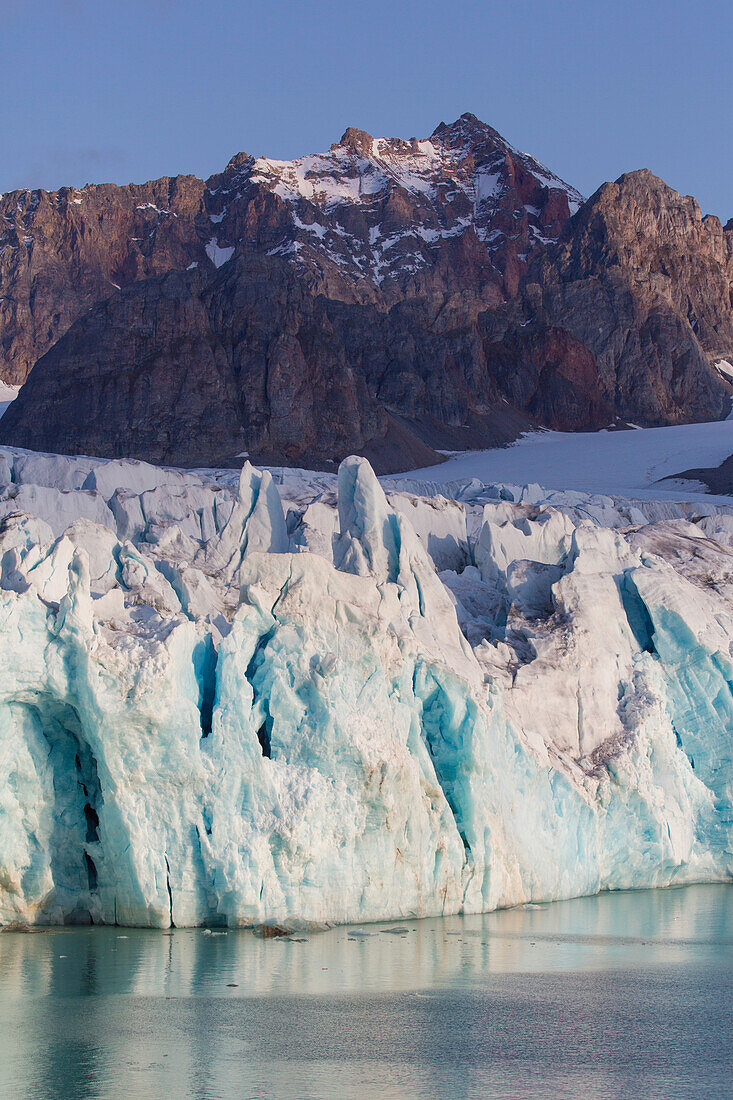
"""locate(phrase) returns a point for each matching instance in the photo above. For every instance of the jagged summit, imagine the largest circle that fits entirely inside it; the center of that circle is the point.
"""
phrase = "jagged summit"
(357, 141)
(382, 214)
(237, 163)
(466, 131)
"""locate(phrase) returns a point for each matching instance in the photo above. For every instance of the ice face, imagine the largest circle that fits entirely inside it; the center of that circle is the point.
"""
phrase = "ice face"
(210, 714)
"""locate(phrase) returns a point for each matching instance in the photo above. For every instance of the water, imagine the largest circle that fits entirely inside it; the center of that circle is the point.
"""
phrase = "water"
(622, 995)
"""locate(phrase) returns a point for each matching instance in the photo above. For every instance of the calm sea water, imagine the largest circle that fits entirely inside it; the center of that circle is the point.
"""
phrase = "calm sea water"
(622, 995)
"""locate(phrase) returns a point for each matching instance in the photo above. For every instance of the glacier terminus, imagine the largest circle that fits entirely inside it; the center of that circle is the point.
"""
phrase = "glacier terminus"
(228, 699)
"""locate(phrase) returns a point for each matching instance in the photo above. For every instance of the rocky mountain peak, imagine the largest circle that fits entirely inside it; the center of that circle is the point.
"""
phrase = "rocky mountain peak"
(378, 218)
(239, 161)
(466, 133)
(355, 141)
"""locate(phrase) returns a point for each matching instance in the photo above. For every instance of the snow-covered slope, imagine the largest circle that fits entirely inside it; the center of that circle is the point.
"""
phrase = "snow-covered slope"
(636, 464)
(378, 210)
(458, 179)
(226, 699)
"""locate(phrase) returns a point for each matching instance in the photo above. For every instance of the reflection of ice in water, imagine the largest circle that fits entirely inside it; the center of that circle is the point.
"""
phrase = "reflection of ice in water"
(609, 930)
(446, 1008)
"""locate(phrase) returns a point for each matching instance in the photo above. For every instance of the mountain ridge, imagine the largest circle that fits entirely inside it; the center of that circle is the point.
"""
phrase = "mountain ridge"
(387, 297)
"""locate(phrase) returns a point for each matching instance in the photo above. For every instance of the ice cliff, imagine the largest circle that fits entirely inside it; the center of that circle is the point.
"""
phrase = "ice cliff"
(226, 702)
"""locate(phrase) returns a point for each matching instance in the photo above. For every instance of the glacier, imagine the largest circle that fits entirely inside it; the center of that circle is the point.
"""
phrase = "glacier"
(232, 698)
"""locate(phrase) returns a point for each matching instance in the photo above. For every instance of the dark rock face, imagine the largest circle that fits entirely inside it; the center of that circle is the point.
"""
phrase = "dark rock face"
(60, 252)
(646, 284)
(719, 479)
(249, 360)
(387, 297)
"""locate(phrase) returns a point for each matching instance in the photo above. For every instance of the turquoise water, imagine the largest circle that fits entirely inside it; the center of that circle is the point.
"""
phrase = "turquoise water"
(622, 995)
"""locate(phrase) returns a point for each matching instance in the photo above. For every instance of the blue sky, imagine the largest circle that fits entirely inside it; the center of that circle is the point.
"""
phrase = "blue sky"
(132, 90)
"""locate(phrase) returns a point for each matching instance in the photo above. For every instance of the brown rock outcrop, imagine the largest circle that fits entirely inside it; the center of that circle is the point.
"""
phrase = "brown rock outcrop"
(62, 251)
(645, 283)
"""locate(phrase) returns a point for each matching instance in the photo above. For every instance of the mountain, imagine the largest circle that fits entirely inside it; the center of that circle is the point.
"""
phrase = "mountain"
(388, 297)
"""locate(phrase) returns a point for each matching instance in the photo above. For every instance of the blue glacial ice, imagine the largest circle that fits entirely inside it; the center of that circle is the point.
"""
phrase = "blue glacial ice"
(228, 701)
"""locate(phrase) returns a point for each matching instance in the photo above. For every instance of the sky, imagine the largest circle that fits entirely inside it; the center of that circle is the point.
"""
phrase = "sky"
(130, 90)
